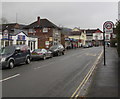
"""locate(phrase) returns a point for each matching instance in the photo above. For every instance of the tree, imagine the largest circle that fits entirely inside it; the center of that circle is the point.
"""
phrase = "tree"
(118, 36)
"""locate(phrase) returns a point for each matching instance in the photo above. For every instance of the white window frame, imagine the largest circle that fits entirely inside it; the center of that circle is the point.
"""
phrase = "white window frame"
(45, 30)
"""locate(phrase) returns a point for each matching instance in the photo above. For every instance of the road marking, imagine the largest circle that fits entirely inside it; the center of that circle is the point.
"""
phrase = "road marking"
(43, 66)
(88, 54)
(77, 91)
(10, 77)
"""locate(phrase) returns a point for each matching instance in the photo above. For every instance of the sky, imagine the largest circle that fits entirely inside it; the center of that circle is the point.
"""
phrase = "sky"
(66, 14)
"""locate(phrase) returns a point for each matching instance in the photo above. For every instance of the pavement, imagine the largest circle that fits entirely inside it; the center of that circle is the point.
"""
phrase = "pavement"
(105, 80)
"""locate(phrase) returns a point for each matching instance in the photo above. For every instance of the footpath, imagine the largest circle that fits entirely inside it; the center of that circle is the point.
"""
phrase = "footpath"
(105, 80)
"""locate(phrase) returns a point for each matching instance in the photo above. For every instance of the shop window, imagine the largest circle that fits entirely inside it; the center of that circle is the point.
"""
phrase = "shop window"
(31, 46)
(6, 43)
(2, 42)
(11, 42)
(24, 42)
(29, 43)
(34, 45)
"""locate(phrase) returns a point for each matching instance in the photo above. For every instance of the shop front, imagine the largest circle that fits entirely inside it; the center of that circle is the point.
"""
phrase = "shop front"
(6, 40)
(18, 39)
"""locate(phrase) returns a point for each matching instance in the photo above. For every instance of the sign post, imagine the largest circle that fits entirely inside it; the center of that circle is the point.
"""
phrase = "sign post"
(107, 28)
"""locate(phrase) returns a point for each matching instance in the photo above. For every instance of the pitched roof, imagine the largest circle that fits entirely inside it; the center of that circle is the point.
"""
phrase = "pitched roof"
(91, 31)
(98, 31)
(12, 26)
(43, 23)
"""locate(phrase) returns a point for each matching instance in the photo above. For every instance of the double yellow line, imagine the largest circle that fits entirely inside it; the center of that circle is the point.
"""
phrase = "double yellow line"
(84, 81)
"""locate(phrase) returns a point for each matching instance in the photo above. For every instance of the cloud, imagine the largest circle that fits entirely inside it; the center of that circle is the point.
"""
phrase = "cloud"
(69, 14)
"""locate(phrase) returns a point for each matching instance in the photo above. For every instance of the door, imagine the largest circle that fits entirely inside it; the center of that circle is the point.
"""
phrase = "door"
(18, 57)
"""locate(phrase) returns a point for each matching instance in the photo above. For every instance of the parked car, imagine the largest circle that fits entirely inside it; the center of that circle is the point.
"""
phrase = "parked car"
(12, 55)
(57, 50)
(90, 45)
(41, 54)
(86, 46)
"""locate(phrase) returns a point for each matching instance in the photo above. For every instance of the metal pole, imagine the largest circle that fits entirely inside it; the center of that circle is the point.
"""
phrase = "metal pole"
(104, 46)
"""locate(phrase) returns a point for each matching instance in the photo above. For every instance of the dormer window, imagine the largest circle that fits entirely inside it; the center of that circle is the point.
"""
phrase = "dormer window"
(45, 30)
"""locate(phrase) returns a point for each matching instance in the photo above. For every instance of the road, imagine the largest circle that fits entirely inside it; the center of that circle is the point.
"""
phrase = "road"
(54, 77)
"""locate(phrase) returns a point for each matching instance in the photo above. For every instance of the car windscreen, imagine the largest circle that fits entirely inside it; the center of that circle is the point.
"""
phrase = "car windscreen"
(53, 47)
(37, 50)
(7, 50)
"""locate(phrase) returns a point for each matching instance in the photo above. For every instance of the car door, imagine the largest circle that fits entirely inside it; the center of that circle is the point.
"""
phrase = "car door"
(18, 57)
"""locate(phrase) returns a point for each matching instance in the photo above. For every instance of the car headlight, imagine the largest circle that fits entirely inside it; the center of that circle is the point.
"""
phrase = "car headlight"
(3, 59)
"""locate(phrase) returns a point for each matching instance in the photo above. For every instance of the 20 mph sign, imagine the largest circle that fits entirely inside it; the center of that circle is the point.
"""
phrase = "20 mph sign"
(108, 27)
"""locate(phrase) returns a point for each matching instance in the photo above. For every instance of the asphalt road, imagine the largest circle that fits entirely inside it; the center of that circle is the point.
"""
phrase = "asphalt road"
(54, 77)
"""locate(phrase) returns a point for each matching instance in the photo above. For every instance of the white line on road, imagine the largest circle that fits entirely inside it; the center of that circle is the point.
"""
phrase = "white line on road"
(43, 66)
(10, 77)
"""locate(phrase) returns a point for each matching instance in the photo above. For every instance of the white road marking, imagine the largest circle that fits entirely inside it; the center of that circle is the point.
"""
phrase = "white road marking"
(10, 77)
(44, 66)
(88, 54)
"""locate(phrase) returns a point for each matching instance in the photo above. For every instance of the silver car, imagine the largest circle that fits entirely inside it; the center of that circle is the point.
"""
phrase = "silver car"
(41, 54)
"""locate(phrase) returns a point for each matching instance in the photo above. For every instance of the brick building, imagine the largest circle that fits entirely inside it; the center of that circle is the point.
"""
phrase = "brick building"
(49, 34)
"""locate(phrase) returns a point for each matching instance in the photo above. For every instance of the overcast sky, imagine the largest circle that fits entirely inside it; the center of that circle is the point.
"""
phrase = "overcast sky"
(67, 14)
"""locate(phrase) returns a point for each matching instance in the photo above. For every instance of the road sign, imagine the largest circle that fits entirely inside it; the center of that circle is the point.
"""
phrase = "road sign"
(108, 27)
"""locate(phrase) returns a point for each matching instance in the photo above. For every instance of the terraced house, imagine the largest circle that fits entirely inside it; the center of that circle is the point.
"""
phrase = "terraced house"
(49, 34)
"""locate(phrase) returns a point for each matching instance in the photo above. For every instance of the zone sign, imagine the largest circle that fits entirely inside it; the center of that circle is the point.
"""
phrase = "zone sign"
(108, 27)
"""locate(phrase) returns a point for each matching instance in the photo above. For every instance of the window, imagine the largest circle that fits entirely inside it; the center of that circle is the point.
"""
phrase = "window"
(34, 45)
(20, 42)
(45, 30)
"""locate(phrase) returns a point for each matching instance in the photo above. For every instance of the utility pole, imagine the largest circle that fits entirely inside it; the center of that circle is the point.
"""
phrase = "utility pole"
(104, 46)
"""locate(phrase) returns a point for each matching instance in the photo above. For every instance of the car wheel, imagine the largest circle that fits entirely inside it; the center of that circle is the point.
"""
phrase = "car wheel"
(28, 60)
(63, 53)
(51, 55)
(44, 57)
(11, 64)
(58, 54)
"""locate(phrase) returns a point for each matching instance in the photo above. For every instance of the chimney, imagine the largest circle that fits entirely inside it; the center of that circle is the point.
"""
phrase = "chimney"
(38, 20)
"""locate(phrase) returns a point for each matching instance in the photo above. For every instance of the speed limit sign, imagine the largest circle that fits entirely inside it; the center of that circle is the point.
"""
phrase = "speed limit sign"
(108, 27)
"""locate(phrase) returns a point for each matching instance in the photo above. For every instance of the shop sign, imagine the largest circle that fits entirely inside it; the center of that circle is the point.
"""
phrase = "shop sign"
(5, 35)
(46, 42)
